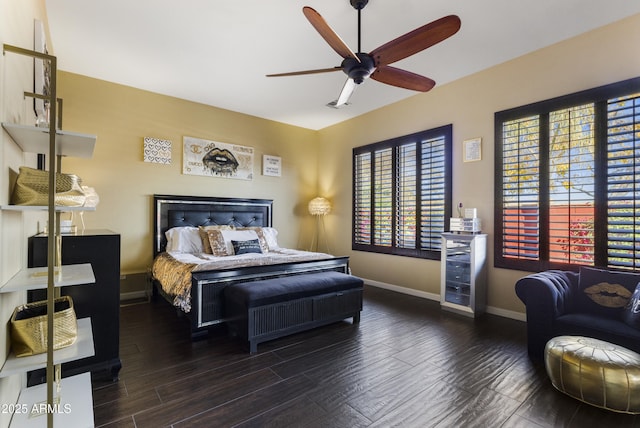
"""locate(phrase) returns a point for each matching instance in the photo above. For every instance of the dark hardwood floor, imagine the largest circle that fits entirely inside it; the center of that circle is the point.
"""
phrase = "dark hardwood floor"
(407, 363)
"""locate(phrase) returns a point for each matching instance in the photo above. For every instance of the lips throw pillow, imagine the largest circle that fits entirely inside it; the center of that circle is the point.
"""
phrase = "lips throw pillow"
(605, 292)
(631, 313)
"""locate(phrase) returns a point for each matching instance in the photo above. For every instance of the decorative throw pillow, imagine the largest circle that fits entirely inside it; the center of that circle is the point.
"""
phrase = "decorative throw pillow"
(271, 236)
(604, 292)
(184, 239)
(217, 246)
(236, 235)
(261, 237)
(246, 247)
(205, 237)
(631, 314)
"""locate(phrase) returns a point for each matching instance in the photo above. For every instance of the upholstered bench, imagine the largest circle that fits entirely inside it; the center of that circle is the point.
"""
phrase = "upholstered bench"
(268, 309)
(595, 372)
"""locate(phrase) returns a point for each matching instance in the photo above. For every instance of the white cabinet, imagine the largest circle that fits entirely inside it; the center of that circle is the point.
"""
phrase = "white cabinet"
(463, 273)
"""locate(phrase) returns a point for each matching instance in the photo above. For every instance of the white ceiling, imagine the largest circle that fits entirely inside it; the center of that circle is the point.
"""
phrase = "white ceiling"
(217, 52)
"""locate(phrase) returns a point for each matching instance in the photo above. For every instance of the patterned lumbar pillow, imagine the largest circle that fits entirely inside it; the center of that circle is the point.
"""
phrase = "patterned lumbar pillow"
(246, 247)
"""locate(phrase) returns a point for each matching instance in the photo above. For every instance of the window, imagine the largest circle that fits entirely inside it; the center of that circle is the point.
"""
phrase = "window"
(568, 181)
(402, 194)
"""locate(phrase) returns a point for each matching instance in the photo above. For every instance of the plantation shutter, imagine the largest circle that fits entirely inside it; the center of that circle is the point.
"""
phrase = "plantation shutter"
(362, 199)
(432, 192)
(521, 188)
(406, 198)
(572, 185)
(383, 198)
(623, 182)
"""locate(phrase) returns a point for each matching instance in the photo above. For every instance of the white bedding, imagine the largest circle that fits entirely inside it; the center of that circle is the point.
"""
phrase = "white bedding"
(173, 269)
(281, 255)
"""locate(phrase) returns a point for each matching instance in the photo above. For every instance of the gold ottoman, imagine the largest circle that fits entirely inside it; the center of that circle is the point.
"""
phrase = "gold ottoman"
(595, 372)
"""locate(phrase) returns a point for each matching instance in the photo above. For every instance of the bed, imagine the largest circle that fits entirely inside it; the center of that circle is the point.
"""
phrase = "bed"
(194, 282)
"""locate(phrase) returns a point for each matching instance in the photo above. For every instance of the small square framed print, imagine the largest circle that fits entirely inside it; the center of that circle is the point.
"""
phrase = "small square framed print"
(271, 165)
(472, 150)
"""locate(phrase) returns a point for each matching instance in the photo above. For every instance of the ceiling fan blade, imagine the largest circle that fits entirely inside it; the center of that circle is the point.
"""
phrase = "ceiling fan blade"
(416, 40)
(347, 90)
(328, 34)
(300, 73)
(403, 79)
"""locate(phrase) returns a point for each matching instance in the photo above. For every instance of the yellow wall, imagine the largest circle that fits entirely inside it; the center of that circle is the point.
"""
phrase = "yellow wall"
(122, 116)
(603, 56)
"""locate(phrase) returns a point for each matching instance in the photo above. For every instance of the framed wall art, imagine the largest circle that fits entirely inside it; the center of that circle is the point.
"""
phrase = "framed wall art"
(272, 165)
(157, 150)
(472, 150)
(216, 159)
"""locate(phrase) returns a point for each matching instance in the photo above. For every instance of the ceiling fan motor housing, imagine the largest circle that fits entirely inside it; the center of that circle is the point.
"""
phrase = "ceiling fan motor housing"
(359, 4)
(358, 71)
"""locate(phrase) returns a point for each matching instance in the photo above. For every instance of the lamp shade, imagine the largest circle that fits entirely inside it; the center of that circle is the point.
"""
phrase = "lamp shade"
(319, 206)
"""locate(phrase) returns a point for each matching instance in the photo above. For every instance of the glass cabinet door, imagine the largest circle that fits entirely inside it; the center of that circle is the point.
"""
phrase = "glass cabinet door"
(458, 275)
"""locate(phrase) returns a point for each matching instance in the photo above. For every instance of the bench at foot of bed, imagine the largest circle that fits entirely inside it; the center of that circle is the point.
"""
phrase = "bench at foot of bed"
(268, 309)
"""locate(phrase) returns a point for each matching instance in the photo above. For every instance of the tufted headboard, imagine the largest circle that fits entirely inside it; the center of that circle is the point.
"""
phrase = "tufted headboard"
(172, 211)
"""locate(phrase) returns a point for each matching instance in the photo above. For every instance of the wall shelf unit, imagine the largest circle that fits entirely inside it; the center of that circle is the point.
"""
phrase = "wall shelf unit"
(67, 402)
(32, 139)
(82, 348)
(59, 208)
(36, 278)
(74, 410)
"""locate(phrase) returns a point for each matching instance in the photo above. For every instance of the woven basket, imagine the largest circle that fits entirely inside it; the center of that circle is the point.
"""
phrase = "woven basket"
(32, 188)
(29, 327)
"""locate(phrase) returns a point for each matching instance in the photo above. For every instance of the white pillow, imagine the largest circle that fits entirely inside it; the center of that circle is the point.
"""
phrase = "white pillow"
(271, 236)
(184, 239)
(237, 235)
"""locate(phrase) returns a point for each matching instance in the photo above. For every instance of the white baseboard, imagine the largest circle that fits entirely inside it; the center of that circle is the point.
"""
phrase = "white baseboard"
(432, 296)
(518, 316)
(403, 290)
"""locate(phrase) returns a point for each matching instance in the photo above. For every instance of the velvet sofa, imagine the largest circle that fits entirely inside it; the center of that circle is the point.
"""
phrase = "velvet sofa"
(595, 303)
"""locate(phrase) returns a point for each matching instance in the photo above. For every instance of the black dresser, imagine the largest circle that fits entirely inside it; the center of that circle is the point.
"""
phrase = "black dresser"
(99, 301)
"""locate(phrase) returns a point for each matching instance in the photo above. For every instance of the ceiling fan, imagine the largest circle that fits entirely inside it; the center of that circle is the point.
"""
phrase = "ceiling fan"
(359, 65)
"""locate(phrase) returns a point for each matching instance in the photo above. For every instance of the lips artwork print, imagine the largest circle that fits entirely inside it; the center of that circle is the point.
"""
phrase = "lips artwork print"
(216, 159)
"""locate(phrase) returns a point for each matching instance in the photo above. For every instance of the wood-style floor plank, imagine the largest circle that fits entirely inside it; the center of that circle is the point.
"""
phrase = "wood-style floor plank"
(427, 408)
(293, 413)
(261, 400)
(374, 403)
(202, 400)
(407, 363)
